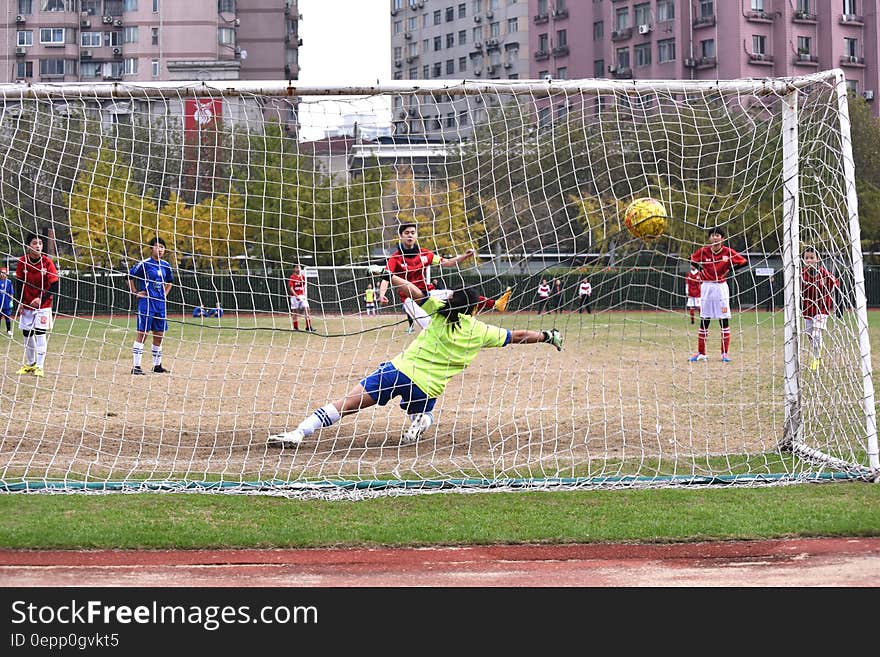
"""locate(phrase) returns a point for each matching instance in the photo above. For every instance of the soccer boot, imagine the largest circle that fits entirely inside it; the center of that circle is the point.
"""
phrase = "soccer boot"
(9, 333)
(27, 369)
(286, 439)
(815, 364)
(697, 358)
(38, 371)
(420, 422)
(725, 358)
(409, 330)
(137, 370)
(502, 301)
(158, 369)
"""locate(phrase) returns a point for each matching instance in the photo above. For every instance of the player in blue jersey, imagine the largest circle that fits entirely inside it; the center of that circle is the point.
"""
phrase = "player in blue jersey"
(7, 296)
(150, 280)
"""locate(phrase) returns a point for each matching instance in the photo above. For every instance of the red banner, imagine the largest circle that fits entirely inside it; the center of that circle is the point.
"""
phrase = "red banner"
(201, 113)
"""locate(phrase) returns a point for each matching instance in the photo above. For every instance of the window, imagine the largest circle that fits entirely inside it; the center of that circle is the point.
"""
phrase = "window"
(414, 72)
(598, 30)
(25, 7)
(225, 36)
(543, 43)
(621, 19)
(561, 38)
(759, 44)
(477, 6)
(53, 66)
(665, 50)
(562, 73)
(130, 34)
(91, 7)
(850, 46)
(462, 37)
(804, 6)
(51, 5)
(849, 7)
(642, 14)
(462, 10)
(542, 7)
(130, 5)
(412, 49)
(450, 66)
(478, 34)
(90, 39)
(512, 25)
(707, 48)
(52, 36)
(131, 66)
(395, 27)
(804, 45)
(226, 6)
(543, 74)
(24, 70)
(621, 56)
(438, 43)
(852, 86)
(757, 5)
(642, 53)
(494, 4)
(462, 63)
(426, 45)
(398, 52)
(112, 39)
(426, 20)
(707, 8)
(450, 120)
(450, 40)
(437, 17)
(155, 6)
(437, 70)
(412, 23)
(154, 68)
(25, 38)
(154, 36)
(397, 5)
(450, 14)
(90, 69)
(665, 10)
(599, 68)
(495, 30)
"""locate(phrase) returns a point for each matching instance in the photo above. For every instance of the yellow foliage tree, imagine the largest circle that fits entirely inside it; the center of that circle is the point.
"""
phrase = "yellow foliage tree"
(212, 232)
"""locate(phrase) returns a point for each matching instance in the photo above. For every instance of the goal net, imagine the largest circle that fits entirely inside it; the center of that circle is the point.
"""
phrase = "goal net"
(244, 180)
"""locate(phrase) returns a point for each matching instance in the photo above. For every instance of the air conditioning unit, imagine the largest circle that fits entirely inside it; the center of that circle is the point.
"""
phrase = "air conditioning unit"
(490, 69)
(20, 52)
(489, 14)
(118, 22)
(690, 62)
(19, 19)
(478, 71)
(477, 19)
(853, 59)
(107, 20)
(85, 22)
(237, 22)
(758, 56)
(644, 29)
(85, 54)
(868, 94)
(612, 69)
(845, 18)
(478, 45)
(508, 65)
(407, 35)
(804, 56)
(117, 51)
(398, 63)
(491, 43)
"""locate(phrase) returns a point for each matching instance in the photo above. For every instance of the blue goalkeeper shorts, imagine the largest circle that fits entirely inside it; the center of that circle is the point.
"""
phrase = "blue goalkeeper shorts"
(387, 382)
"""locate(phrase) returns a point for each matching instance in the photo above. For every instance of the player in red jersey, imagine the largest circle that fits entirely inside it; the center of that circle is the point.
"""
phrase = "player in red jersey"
(36, 281)
(412, 263)
(692, 285)
(715, 261)
(299, 300)
(817, 302)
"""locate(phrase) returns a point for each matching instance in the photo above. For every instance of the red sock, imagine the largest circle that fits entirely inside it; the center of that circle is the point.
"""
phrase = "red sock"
(296, 325)
(485, 303)
(725, 340)
(702, 334)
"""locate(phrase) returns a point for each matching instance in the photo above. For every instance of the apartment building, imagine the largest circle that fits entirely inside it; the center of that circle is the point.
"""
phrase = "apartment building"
(150, 40)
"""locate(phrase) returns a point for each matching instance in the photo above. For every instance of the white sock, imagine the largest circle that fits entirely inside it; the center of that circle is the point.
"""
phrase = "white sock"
(157, 355)
(415, 311)
(430, 416)
(324, 417)
(816, 343)
(137, 352)
(30, 356)
(41, 344)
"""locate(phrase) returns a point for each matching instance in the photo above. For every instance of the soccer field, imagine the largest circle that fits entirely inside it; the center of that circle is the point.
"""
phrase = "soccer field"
(620, 399)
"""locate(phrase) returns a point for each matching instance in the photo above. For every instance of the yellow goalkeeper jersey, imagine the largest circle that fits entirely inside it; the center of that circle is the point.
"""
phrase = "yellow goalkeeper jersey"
(441, 351)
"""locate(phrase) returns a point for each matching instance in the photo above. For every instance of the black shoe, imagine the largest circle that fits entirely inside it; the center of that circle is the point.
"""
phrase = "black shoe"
(311, 330)
(137, 370)
(158, 369)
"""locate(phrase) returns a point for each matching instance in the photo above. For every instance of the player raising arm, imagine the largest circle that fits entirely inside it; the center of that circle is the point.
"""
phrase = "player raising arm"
(412, 262)
(452, 339)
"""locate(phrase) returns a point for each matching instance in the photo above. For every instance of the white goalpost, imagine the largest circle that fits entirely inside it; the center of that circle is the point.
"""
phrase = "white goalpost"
(532, 175)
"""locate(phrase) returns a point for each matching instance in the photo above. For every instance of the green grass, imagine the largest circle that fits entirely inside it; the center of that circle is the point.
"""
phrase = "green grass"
(190, 521)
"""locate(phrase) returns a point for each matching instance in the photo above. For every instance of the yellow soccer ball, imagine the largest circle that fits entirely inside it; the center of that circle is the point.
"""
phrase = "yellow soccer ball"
(645, 218)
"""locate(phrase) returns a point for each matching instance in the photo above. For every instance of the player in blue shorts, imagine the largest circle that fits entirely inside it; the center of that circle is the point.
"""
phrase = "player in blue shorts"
(150, 280)
(452, 339)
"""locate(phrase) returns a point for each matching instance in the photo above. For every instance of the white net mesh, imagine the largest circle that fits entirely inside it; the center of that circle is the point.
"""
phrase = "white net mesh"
(535, 177)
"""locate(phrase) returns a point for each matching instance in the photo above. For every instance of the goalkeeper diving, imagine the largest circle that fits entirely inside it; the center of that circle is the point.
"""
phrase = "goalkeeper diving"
(419, 375)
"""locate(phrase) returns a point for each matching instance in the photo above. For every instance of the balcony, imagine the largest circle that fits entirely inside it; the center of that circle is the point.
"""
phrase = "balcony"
(852, 60)
(852, 19)
(806, 59)
(759, 17)
(560, 51)
(621, 72)
(541, 18)
(622, 34)
(704, 21)
(761, 59)
(706, 62)
(559, 14)
(541, 55)
(801, 16)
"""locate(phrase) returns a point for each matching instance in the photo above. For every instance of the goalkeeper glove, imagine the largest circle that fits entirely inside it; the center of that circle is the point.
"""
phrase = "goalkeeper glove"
(379, 270)
(553, 337)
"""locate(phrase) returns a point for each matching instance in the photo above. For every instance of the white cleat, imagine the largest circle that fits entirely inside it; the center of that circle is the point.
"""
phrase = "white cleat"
(416, 428)
(287, 439)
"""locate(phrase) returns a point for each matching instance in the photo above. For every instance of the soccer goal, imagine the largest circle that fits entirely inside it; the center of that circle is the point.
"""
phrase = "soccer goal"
(244, 180)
